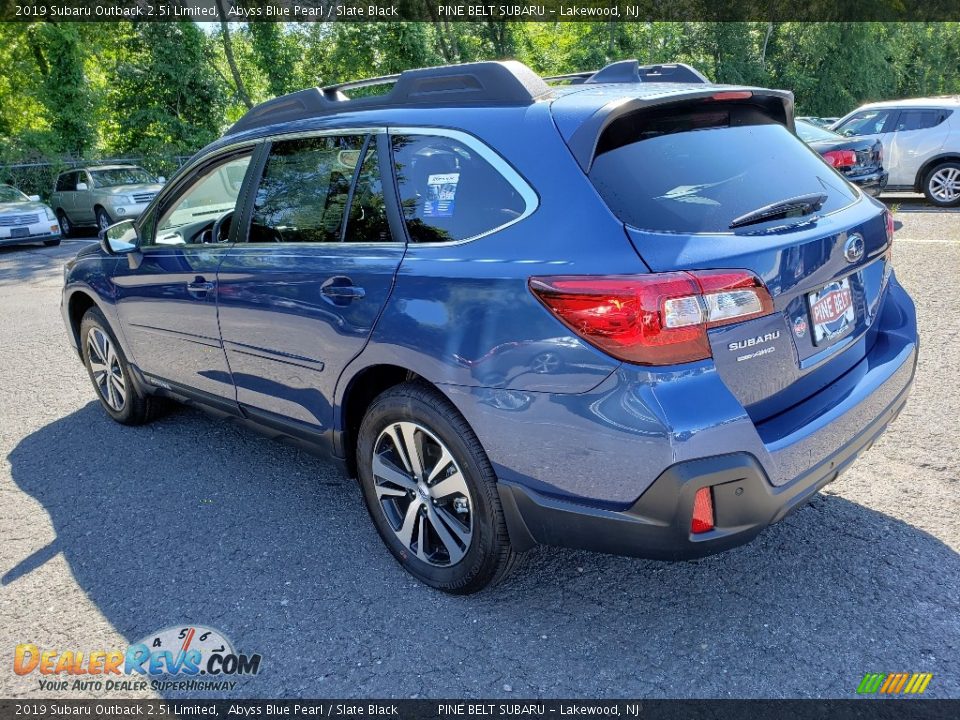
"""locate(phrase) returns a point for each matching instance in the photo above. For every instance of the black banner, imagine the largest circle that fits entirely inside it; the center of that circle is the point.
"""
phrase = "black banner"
(459, 11)
(864, 709)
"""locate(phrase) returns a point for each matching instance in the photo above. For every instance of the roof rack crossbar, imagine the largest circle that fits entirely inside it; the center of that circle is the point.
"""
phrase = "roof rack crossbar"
(357, 84)
(573, 77)
(490, 83)
(631, 71)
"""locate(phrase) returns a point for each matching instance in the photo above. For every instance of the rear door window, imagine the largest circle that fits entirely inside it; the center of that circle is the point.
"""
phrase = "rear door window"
(695, 171)
(920, 119)
(449, 192)
(67, 182)
(304, 191)
(368, 213)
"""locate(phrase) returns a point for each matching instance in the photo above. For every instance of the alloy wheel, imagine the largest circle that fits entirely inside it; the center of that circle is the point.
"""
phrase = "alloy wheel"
(423, 494)
(106, 369)
(103, 221)
(64, 224)
(945, 184)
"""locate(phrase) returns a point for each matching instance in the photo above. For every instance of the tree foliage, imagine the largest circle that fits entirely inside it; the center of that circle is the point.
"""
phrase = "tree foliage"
(158, 90)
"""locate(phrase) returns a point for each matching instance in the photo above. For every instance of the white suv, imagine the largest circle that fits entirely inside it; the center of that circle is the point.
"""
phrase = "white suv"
(921, 143)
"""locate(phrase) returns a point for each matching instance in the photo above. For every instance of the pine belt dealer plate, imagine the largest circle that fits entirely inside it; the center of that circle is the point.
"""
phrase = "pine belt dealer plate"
(831, 311)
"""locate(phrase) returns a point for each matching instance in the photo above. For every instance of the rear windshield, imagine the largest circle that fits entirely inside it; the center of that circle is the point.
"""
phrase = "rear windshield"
(808, 132)
(695, 171)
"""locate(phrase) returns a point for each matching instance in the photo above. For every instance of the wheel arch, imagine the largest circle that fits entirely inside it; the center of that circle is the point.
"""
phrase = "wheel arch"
(79, 302)
(930, 165)
(358, 393)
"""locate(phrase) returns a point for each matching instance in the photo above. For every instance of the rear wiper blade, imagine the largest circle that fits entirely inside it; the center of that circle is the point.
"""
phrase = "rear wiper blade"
(802, 205)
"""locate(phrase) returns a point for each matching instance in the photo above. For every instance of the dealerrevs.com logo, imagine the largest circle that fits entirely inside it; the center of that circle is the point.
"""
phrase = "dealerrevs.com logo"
(187, 657)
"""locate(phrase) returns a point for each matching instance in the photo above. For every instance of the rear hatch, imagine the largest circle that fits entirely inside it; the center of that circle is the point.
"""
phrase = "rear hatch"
(690, 181)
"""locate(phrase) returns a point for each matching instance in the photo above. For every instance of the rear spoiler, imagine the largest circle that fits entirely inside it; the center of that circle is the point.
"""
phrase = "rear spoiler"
(583, 142)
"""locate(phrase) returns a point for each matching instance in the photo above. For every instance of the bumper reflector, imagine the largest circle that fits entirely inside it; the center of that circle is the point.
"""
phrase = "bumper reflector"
(702, 511)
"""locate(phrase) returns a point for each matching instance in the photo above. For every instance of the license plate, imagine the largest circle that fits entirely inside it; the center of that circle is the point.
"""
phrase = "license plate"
(19, 232)
(831, 311)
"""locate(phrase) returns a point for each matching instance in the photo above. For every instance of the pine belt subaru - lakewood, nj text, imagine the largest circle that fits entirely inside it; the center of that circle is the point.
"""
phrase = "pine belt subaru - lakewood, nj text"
(625, 310)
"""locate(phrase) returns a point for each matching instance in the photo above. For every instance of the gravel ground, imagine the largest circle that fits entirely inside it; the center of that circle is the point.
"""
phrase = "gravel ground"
(110, 533)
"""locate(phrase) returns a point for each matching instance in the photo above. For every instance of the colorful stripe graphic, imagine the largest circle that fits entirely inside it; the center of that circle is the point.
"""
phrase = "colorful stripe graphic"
(894, 683)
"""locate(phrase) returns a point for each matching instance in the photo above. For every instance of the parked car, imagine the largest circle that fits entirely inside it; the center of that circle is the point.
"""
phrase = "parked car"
(379, 278)
(99, 195)
(921, 142)
(24, 219)
(819, 121)
(859, 160)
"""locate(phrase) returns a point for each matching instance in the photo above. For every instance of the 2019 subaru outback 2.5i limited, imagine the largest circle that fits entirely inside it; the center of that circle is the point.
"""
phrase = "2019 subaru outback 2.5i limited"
(633, 313)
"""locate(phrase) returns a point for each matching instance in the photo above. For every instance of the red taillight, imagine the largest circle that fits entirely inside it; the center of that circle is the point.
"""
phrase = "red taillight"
(655, 319)
(840, 158)
(702, 511)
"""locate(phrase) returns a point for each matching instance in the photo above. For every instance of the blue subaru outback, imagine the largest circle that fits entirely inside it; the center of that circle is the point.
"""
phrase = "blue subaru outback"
(628, 311)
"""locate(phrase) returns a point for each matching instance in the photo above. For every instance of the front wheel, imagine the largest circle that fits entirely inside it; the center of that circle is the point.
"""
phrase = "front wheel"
(103, 219)
(431, 492)
(110, 372)
(942, 185)
(66, 227)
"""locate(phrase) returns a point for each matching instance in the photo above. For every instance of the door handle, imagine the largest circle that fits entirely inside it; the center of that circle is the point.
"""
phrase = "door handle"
(199, 287)
(344, 291)
(341, 290)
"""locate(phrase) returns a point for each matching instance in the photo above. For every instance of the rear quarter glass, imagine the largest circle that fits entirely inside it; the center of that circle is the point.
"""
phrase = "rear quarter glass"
(694, 171)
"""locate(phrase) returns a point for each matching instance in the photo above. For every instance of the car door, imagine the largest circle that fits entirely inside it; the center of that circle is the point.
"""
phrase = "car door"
(167, 301)
(299, 298)
(82, 204)
(66, 189)
(918, 135)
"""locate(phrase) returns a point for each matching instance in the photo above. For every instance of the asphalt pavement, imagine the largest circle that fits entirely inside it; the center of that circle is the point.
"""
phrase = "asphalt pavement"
(110, 533)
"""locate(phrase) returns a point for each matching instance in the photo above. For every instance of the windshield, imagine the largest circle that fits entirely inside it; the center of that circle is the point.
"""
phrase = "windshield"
(11, 194)
(809, 132)
(121, 176)
(696, 171)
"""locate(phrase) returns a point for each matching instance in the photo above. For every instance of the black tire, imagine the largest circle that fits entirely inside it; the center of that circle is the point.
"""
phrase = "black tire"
(933, 184)
(136, 408)
(51, 243)
(103, 219)
(489, 557)
(66, 227)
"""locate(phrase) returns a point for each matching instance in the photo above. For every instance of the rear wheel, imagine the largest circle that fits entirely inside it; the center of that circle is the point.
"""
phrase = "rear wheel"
(431, 491)
(66, 227)
(942, 185)
(52, 243)
(110, 372)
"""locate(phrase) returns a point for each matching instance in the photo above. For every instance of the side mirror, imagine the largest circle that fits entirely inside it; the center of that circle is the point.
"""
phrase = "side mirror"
(34, 198)
(120, 238)
(161, 179)
(81, 186)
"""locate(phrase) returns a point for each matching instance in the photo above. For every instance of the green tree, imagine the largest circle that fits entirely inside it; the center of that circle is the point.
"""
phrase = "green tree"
(64, 92)
(275, 52)
(166, 100)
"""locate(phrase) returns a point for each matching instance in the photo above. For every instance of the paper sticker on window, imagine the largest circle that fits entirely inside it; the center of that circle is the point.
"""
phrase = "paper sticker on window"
(441, 194)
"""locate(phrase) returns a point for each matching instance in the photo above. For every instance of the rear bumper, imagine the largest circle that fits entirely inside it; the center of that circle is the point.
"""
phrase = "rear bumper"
(756, 481)
(657, 525)
(871, 183)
